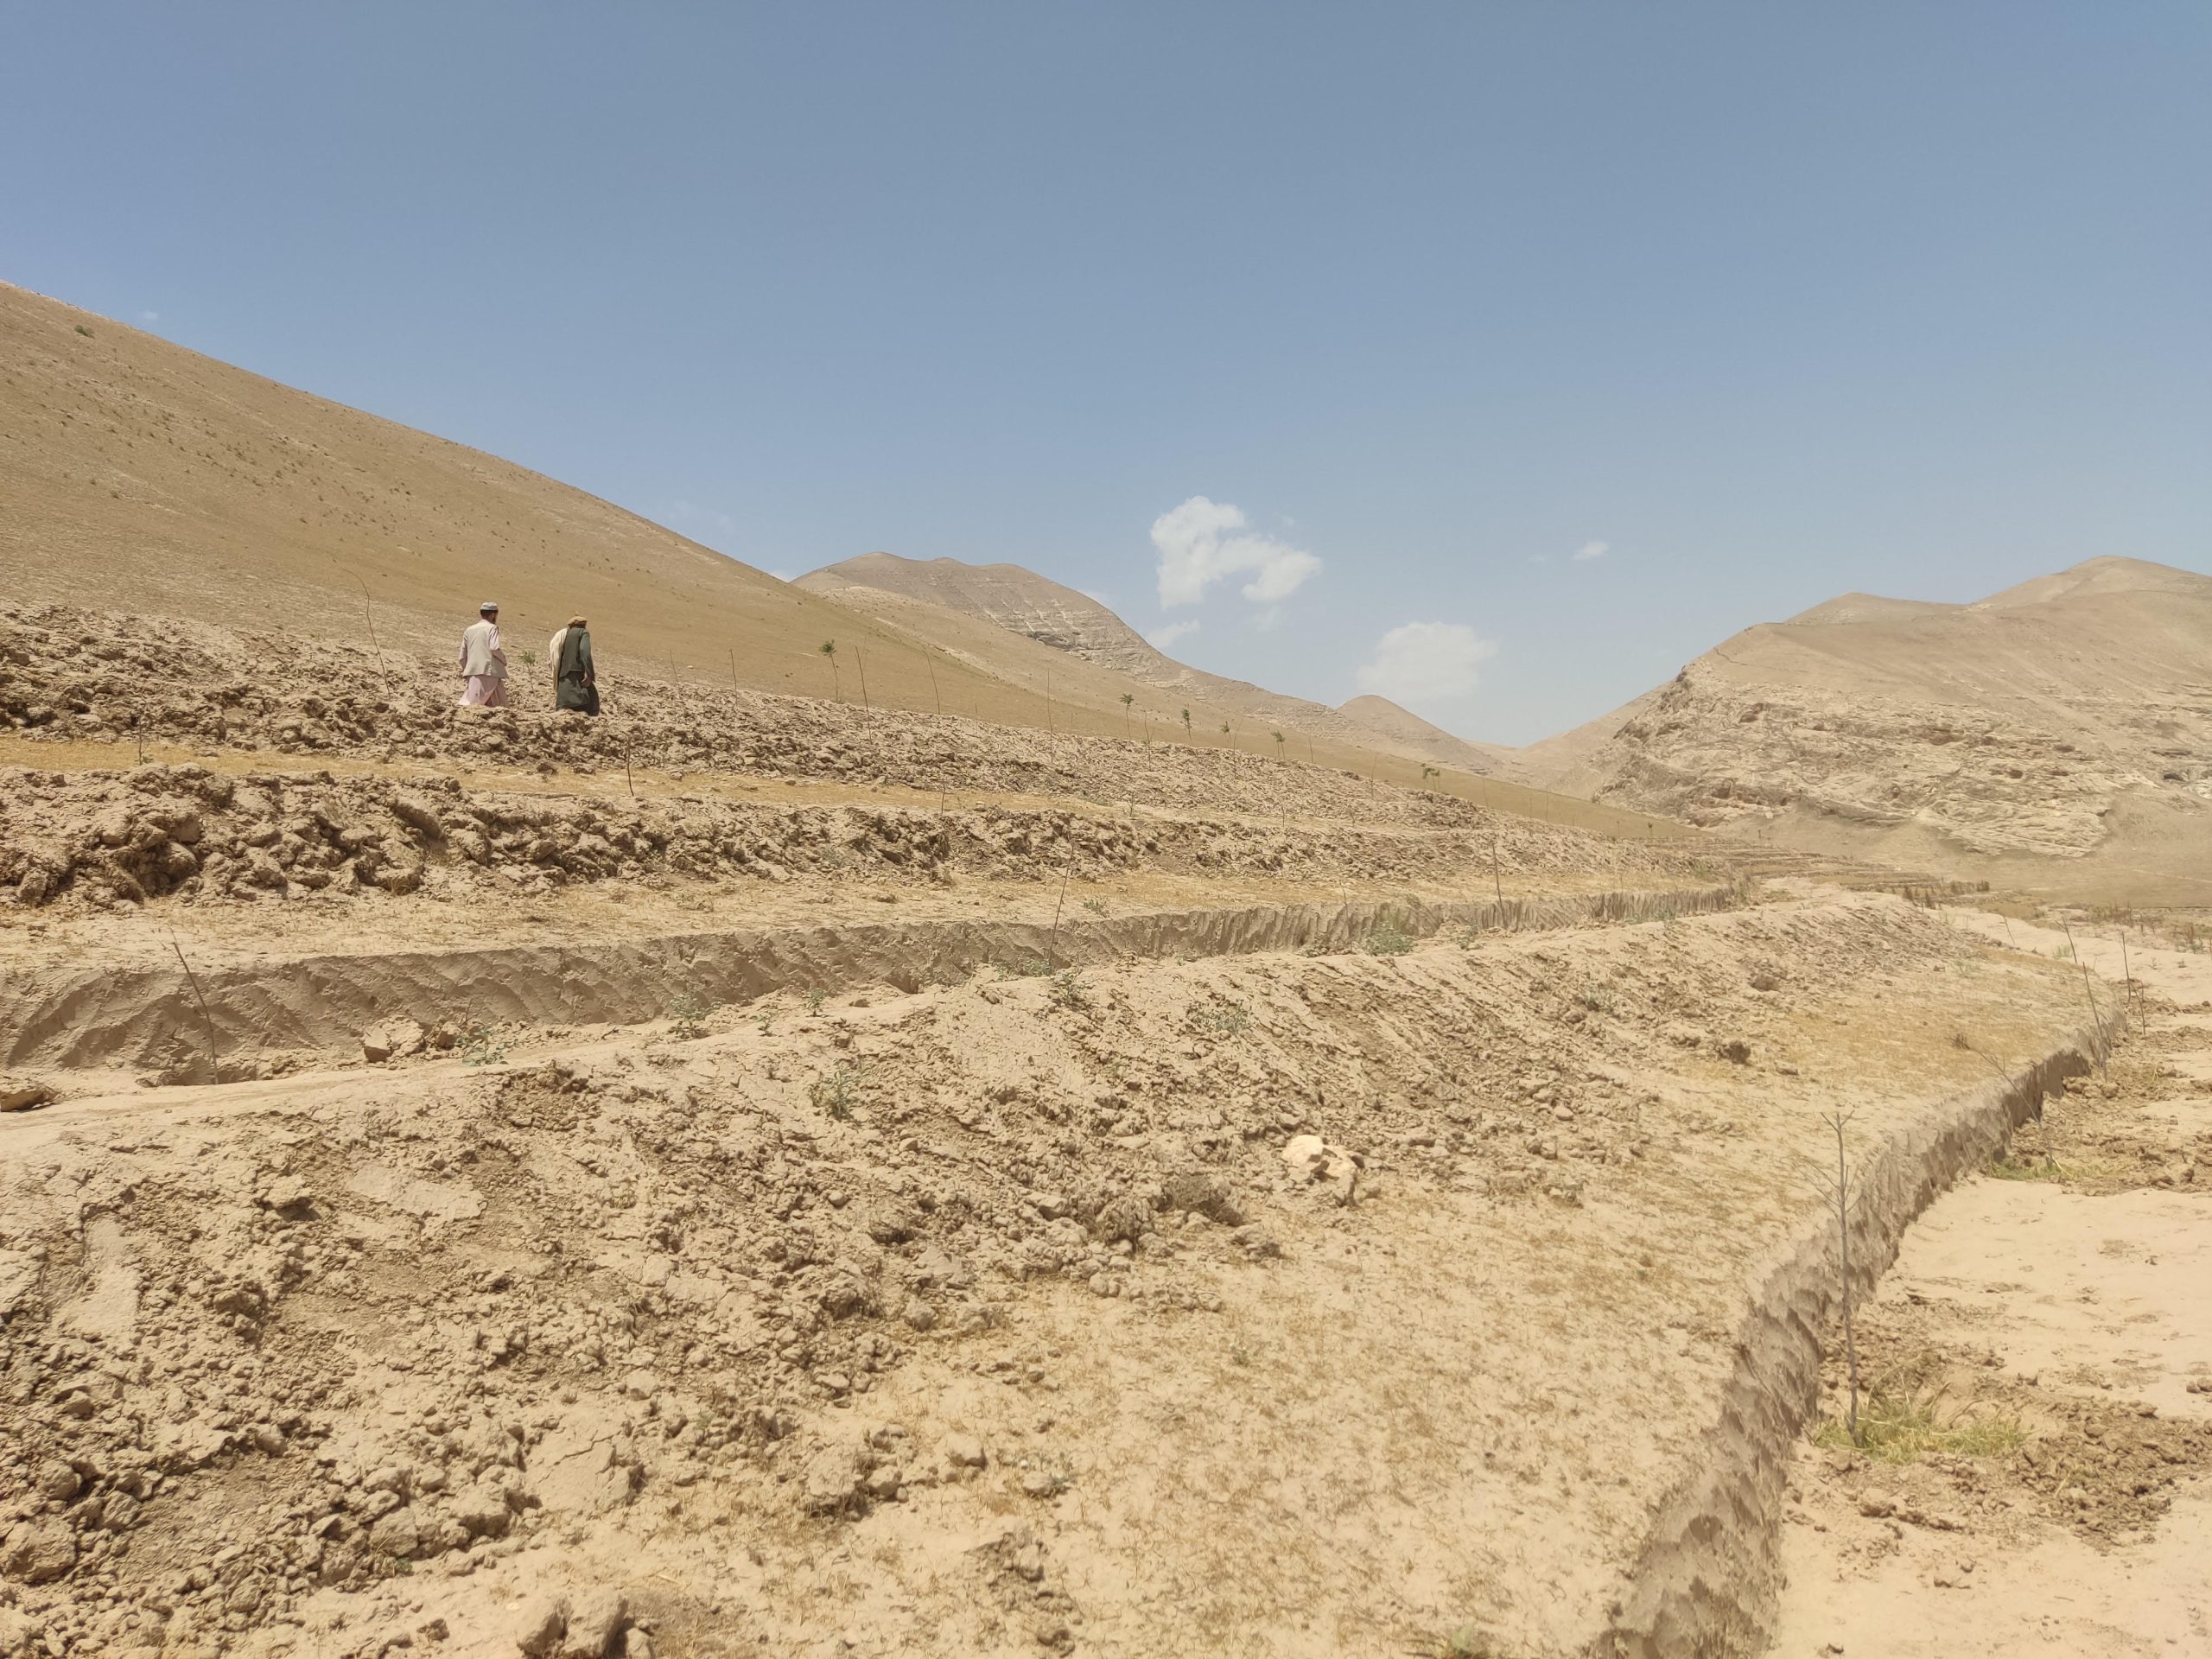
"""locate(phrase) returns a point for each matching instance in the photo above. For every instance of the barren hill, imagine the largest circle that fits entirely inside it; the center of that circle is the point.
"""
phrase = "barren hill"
(141, 477)
(139, 474)
(1410, 732)
(1021, 601)
(2068, 718)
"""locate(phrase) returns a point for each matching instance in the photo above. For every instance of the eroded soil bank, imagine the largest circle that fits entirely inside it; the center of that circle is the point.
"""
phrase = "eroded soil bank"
(2041, 1358)
(1281, 1304)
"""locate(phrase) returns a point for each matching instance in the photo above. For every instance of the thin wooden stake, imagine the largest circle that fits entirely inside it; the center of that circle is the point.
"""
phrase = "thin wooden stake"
(369, 617)
(626, 777)
(934, 692)
(207, 1019)
(1843, 1205)
(1052, 944)
(1496, 882)
(860, 657)
(2096, 1020)
(2127, 973)
(734, 685)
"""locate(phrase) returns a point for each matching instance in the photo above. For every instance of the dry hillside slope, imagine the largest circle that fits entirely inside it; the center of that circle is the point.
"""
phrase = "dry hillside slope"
(140, 476)
(1019, 602)
(2064, 725)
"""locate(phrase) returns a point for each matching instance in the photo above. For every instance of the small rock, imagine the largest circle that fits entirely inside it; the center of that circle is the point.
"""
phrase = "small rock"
(1037, 1483)
(19, 1638)
(834, 1480)
(268, 1436)
(1315, 1159)
(395, 1534)
(1256, 1242)
(1201, 1193)
(56, 1479)
(20, 1094)
(594, 1624)
(538, 1630)
(636, 1644)
(393, 1039)
(482, 1510)
(1876, 1502)
(964, 1451)
(918, 1314)
(38, 1552)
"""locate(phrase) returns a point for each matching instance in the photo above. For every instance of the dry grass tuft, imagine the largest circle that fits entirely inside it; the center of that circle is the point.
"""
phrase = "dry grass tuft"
(1907, 1414)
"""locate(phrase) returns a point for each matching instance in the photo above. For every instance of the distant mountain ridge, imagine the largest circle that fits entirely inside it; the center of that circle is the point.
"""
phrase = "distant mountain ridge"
(2068, 717)
(1022, 601)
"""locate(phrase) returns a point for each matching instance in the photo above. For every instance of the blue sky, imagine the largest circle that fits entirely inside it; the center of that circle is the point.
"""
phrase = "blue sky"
(1382, 313)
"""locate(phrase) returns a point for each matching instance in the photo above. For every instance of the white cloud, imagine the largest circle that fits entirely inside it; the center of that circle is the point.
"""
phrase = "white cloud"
(1426, 662)
(1161, 638)
(1589, 551)
(1203, 542)
(149, 316)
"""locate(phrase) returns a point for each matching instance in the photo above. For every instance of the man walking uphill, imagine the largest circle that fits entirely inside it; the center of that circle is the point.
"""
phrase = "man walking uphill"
(576, 685)
(483, 663)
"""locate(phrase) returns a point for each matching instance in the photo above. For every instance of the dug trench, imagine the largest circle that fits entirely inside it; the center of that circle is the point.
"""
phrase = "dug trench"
(1278, 1303)
(273, 1014)
(2031, 1477)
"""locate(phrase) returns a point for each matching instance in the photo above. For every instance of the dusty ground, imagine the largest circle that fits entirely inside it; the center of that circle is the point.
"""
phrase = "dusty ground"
(2057, 1318)
(958, 1321)
(753, 1175)
(168, 687)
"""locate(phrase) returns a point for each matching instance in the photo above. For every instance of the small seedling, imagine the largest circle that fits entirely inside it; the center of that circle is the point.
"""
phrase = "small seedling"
(1096, 906)
(86, 332)
(2004, 1169)
(1907, 1417)
(1389, 938)
(1223, 1019)
(1128, 698)
(1068, 992)
(764, 1022)
(482, 1046)
(828, 648)
(1187, 721)
(814, 999)
(1599, 998)
(686, 1018)
(838, 1092)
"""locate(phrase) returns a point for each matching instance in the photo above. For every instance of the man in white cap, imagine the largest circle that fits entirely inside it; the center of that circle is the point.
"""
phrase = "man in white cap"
(483, 663)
